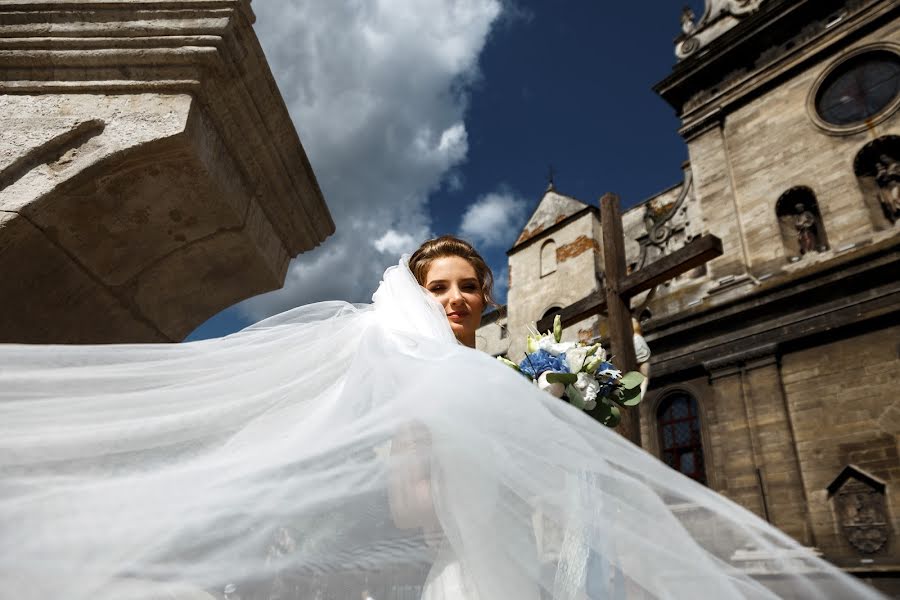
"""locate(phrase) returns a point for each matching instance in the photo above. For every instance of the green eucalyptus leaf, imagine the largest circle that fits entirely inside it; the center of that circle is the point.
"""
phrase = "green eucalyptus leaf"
(576, 398)
(607, 414)
(614, 418)
(632, 397)
(631, 380)
(564, 378)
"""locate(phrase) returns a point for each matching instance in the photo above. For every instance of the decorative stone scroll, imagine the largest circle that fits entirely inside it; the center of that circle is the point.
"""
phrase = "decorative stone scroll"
(150, 174)
(859, 505)
(718, 17)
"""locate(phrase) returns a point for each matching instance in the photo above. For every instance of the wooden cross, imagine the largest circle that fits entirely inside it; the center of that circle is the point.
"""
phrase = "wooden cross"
(615, 297)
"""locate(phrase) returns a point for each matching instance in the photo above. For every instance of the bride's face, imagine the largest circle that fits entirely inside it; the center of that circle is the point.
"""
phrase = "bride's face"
(453, 281)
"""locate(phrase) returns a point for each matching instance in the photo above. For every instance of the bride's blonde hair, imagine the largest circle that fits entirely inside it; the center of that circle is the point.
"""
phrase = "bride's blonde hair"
(449, 245)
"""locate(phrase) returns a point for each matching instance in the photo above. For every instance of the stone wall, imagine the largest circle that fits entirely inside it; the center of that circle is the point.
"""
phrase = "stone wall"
(845, 409)
(578, 258)
(779, 429)
(772, 144)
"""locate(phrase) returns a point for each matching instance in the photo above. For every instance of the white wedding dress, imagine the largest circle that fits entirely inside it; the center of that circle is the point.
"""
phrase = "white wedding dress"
(270, 462)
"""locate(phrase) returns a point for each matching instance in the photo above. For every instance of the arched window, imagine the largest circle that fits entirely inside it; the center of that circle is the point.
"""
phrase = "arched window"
(680, 442)
(551, 312)
(548, 258)
(802, 230)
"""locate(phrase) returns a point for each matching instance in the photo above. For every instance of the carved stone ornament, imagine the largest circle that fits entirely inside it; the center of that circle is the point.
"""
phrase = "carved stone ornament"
(712, 24)
(859, 505)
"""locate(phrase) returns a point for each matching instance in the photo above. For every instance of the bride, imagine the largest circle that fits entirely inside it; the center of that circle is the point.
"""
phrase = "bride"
(338, 448)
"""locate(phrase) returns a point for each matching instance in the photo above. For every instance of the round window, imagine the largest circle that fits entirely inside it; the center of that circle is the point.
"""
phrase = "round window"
(859, 88)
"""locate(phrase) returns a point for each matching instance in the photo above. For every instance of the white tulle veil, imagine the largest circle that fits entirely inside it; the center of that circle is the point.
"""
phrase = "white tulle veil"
(339, 447)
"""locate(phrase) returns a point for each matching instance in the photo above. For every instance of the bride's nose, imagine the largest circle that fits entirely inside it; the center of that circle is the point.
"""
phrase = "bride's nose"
(455, 296)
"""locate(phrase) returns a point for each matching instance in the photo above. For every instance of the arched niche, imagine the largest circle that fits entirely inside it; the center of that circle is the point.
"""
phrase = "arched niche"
(800, 222)
(877, 168)
(548, 258)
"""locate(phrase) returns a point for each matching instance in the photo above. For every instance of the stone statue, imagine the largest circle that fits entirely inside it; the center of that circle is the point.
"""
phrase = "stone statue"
(807, 234)
(887, 176)
(642, 354)
(688, 26)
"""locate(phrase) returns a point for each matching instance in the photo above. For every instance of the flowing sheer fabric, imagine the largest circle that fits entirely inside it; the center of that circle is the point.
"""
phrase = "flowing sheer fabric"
(336, 448)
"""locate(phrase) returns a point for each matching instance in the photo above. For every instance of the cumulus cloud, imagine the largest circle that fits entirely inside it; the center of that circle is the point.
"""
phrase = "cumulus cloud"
(494, 220)
(395, 242)
(377, 91)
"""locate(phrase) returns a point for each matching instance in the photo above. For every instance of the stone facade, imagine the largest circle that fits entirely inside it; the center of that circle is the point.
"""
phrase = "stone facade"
(150, 175)
(555, 262)
(788, 342)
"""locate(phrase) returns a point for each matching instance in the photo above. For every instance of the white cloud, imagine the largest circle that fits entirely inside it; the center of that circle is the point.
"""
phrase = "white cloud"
(393, 242)
(376, 89)
(495, 219)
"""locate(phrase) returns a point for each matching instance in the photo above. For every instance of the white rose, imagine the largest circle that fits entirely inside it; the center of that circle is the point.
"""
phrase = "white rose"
(553, 347)
(575, 358)
(556, 389)
(589, 388)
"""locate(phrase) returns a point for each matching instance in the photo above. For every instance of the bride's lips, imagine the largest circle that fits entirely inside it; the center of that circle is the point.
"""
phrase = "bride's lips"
(457, 316)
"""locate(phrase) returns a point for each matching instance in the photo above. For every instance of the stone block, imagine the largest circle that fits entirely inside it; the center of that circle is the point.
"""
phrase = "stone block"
(160, 163)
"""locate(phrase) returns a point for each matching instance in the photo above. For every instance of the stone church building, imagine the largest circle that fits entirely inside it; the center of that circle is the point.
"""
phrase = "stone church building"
(775, 367)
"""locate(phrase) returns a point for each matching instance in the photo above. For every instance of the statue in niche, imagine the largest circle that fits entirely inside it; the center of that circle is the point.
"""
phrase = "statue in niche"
(887, 176)
(807, 229)
(688, 25)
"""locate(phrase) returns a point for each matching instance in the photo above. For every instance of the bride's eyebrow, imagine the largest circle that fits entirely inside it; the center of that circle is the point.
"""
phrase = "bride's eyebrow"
(444, 281)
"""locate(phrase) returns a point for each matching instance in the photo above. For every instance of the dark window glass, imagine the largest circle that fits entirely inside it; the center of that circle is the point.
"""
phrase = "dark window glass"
(679, 434)
(860, 88)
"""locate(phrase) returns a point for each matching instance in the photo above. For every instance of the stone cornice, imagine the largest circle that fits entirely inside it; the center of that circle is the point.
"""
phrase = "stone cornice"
(846, 293)
(751, 58)
(204, 48)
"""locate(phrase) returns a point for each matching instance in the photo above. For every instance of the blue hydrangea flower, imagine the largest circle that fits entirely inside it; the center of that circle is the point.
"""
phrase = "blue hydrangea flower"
(540, 361)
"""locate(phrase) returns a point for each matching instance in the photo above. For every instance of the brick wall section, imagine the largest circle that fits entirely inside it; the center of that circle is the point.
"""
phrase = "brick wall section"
(844, 398)
(581, 245)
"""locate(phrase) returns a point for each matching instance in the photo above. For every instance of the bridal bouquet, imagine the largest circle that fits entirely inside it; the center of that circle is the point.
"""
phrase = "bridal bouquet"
(580, 374)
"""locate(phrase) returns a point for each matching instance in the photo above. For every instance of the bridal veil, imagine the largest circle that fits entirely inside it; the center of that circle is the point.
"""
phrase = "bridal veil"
(336, 448)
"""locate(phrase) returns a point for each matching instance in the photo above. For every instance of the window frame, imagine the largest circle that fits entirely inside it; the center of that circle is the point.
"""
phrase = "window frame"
(841, 61)
(541, 259)
(661, 400)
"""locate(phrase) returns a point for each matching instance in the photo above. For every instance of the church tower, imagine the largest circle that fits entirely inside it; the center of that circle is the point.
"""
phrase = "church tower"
(554, 262)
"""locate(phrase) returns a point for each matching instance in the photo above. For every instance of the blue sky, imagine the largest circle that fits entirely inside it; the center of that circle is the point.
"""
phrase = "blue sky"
(424, 117)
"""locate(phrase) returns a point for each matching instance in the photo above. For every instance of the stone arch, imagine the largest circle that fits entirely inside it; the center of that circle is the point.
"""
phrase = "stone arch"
(548, 258)
(877, 169)
(679, 432)
(800, 223)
